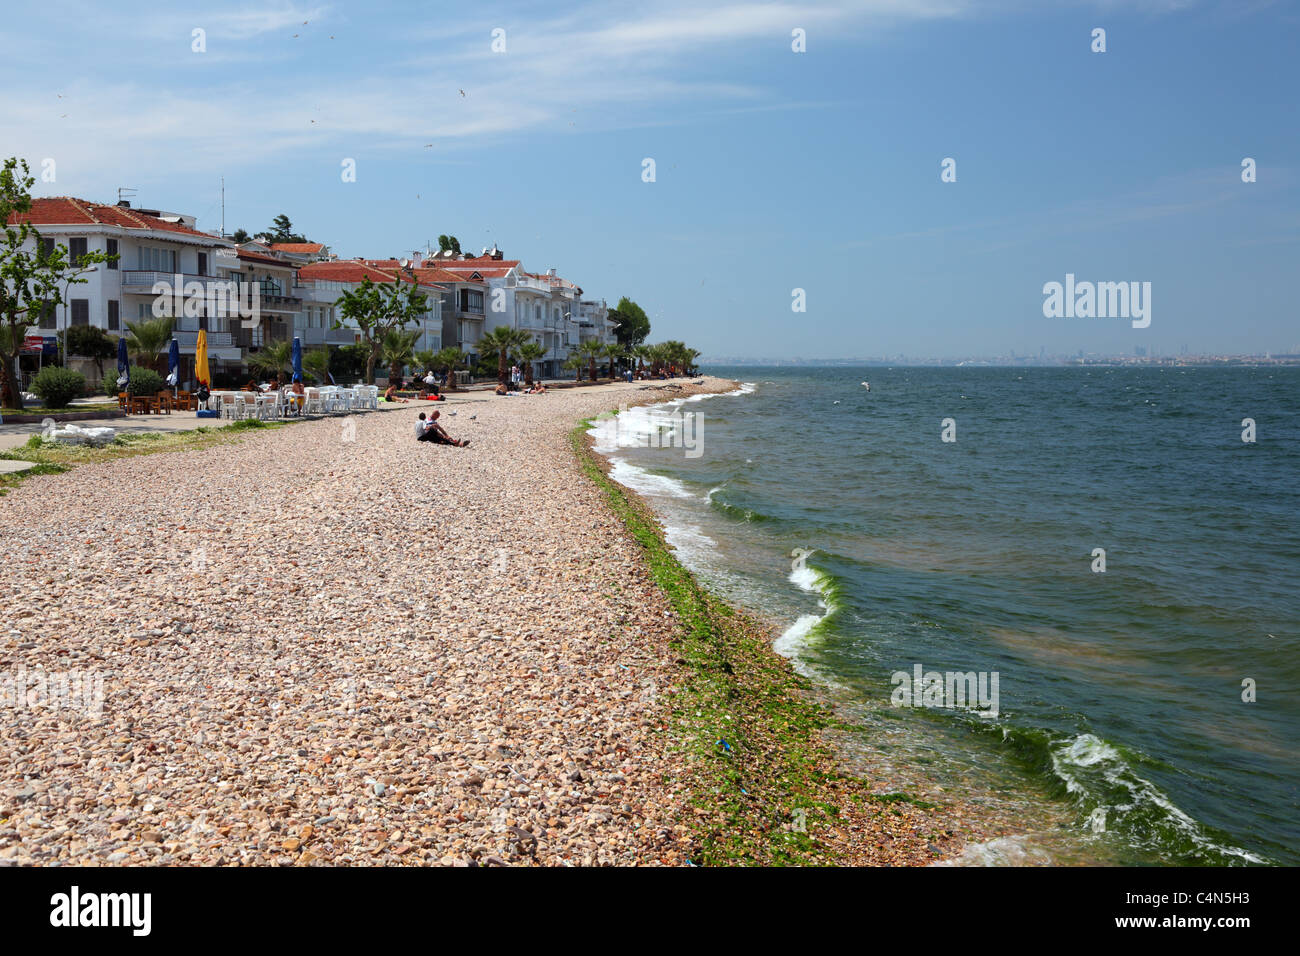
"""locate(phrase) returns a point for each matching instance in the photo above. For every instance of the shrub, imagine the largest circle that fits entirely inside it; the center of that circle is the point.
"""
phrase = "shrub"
(57, 387)
(145, 381)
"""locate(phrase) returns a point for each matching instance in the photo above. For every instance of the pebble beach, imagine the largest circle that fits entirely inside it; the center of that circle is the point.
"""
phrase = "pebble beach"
(330, 644)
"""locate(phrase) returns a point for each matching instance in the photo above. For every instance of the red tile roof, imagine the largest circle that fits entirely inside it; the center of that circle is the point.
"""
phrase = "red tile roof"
(299, 247)
(69, 211)
(354, 271)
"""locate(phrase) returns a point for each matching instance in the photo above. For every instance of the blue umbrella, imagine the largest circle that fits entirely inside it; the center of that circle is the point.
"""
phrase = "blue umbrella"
(174, 364)
(123, 366)
(297, 359)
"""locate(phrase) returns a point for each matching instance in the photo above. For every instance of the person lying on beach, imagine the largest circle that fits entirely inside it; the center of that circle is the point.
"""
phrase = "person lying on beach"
(433, 432)
(501, 389)
(390, 395)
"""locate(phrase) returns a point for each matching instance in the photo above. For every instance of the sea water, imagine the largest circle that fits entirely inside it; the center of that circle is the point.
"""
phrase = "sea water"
(1101, 540)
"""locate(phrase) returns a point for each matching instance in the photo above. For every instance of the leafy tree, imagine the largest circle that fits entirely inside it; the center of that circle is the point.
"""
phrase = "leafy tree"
(425, 358)
(448, 360)
(32, 278)
(92, 342)
(378, 309)
(274, 358)
(574, 363)
(449, 244)
(529, 353)
(240, 235)
(281, 231)
(633, 324)
(507, 342)
(349, 362)
(148, 338)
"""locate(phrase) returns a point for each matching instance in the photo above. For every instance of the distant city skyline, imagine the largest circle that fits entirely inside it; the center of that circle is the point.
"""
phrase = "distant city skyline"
(798, 154)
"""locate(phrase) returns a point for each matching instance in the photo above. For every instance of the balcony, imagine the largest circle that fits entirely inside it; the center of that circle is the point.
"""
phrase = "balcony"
(343, 336)
(140, 282)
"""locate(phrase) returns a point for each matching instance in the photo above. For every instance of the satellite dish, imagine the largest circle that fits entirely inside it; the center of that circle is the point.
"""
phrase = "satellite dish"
(404, 263)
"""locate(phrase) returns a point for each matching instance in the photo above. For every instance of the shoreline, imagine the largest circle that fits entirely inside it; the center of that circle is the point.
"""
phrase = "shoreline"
(781, 792)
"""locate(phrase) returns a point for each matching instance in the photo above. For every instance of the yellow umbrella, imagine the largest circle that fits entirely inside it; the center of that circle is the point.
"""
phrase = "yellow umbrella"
(201, 372)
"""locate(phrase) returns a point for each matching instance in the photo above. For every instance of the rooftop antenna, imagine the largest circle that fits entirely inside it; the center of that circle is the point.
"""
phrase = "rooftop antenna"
(123, 190)
(223, 207)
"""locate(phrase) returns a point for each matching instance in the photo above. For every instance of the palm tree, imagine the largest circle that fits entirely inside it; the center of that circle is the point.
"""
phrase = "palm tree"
(591, 349)
(529, 353)
(507, 342)
(399, 351)
(147, 339)
(317, 361)
(615, 352)
(642, 355)
(574, 363)
(446, 360)
(273, 358)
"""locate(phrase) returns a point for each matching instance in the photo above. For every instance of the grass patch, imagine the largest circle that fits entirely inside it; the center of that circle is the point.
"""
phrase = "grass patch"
(762, 796)
(53, 457)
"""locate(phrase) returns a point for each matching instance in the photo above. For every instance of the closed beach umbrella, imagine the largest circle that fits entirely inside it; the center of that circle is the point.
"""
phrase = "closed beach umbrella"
(297, 359)
(201, 373)
(174, 364)
(123, 365)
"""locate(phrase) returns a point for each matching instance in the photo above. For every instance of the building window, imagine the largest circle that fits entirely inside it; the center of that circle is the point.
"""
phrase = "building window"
(76, 250)
(471, 301)
(203, 263)
(114, 318)
(47, 316)
(112, 251)
(81, 311)
(46, 249)
(153, 259)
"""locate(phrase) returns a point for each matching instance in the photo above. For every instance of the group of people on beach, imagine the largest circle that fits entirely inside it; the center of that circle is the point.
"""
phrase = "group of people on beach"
(512, 389)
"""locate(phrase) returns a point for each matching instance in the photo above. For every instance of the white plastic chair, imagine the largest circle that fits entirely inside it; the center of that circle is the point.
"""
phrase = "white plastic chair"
(314, 403)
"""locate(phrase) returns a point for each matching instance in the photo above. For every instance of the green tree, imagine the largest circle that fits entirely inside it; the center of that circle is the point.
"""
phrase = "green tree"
(449, 244)
(448, 360)
(592, 349)
(92, 342)
(507, 342)
(317, 362)
(378, 309)
(281, 231)
(574, 363)
(273, 358)
(32, 277)
(240, 236)
(529, 353)
(633, 325)
(613, 351)
(147, 338)
(399, 351)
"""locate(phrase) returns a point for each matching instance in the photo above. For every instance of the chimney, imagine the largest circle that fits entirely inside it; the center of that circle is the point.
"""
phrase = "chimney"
(124, 204)
(550, 272)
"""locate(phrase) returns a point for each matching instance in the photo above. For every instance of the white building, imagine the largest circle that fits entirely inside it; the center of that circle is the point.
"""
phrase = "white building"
(152, 246)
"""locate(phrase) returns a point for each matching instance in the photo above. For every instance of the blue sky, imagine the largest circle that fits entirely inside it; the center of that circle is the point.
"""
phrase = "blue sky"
(775, 170)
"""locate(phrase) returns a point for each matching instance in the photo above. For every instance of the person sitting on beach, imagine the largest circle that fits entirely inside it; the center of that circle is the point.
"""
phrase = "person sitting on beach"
(431, 431)
(390, 395)
(252, 386)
